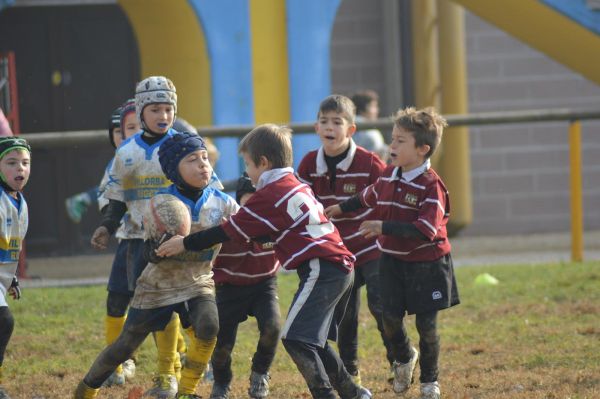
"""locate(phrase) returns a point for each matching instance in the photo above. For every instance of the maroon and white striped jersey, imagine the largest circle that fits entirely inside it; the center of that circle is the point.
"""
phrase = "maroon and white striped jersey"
(245, 263)
(358, 170)
(286, 210)
(418, 197)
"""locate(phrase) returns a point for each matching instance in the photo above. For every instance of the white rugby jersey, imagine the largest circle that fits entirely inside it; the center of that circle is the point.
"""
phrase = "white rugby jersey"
(134, 177)
(102, 200)
(185, 276)
(14, 220)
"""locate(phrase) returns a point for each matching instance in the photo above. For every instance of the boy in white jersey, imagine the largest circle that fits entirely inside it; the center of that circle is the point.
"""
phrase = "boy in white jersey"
(182, 285)
(134, 177)
(15, 164)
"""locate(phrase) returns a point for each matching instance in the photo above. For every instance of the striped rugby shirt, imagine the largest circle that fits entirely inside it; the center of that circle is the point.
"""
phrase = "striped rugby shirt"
(354, 173)
(418, 197)
(287, 211)
(245, 263)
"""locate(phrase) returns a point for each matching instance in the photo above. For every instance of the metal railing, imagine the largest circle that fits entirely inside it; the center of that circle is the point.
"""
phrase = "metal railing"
(574, 117)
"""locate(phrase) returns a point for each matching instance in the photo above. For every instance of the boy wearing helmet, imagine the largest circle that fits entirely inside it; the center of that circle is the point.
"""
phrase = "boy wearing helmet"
(15, 163)
(134, 177)
(183, 284)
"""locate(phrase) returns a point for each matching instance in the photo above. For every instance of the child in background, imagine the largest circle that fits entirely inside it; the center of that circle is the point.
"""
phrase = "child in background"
(286, 211)
(76, 205)
(367, 109)
(119, 293)
(15, 164)
(183, 284)
(135, 176)
(246, 285)
(337, 171)
(416, 270)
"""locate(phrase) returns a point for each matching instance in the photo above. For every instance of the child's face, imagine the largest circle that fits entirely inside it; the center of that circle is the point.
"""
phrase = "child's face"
(159, 117)
(335, 132)
(404, 151)
(131, 125)
(117, 136)
(253, 170)
(15, 167)
(195, 169)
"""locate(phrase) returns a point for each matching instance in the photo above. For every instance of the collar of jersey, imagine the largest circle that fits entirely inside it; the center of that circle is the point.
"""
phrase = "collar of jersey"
(413, 174)
(15, 202)
(149, 149)
(343, 165)
(272, 175)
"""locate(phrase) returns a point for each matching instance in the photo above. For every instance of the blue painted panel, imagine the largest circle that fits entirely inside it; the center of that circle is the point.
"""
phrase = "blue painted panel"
(309, 26)
(226, 25)
(578, 11)
(6, 3)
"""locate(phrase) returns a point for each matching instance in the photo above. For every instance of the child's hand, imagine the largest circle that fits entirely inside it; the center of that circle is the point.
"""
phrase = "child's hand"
(100, 238)
(333, 211)
(371, 228)
(172, 247)
(14, 289)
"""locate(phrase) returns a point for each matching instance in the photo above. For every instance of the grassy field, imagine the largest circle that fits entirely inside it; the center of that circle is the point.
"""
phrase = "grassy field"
(535, 335)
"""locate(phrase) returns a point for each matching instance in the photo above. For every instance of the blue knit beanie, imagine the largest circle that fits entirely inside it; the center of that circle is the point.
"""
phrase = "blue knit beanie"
(174, 149)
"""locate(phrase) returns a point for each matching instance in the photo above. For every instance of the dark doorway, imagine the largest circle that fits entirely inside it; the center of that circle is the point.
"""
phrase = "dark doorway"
(75, 64)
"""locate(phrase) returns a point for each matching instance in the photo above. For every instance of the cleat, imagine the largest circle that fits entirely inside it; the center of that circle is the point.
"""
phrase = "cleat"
(3, 394)
(259, 385)
(129, 369)
(165, 387)
(363, 393)
(403, 373)
(219, 391)
(430, 390)
(114, 379)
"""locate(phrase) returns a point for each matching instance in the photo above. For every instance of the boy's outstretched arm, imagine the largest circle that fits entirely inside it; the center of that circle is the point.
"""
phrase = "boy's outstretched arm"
(351, 204)
(194, 242)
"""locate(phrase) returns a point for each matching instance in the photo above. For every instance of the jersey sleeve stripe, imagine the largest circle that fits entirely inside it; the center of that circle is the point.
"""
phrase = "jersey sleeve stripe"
(265, 221)
(292, 191)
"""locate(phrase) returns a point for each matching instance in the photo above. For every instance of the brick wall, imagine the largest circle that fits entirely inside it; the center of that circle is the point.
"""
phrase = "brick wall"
(520, 173)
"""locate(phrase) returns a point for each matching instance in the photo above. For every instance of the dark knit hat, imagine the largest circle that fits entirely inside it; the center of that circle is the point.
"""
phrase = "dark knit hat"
(113, 123)
(174, 149)
(128, 107)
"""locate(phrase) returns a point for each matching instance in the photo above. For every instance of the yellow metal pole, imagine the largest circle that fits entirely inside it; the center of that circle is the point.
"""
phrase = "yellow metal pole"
(425, 53)
(576, 192)
(455, 159)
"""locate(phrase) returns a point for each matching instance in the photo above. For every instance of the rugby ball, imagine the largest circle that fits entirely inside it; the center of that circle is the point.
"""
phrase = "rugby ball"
(166, 214)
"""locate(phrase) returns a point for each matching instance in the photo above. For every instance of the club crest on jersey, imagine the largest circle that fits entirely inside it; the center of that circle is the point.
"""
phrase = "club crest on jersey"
(214, 217)
(267, 245)
(349, 188)
(128, 162)
(8, 222)
(410, 199)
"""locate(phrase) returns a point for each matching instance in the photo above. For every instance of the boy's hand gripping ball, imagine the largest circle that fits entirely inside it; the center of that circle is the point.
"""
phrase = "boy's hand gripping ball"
(166, 215)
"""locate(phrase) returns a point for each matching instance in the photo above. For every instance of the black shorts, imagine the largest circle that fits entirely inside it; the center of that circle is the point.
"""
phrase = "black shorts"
(237, 302)
(417, 287)
(150, 320)
(319, 304)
